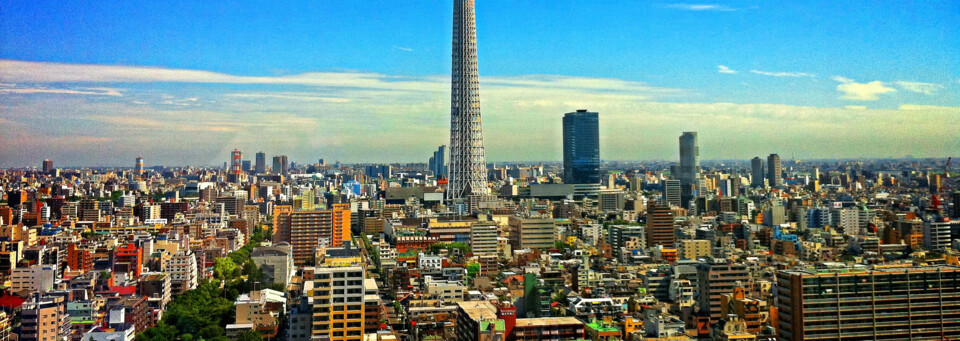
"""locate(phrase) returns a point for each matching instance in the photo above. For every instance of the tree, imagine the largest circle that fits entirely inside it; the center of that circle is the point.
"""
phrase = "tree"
(203, 313)
(160, 332)
(115, 195)
(252, 272)
(249, 335)
(223, 267)
(463, 247)
(560, 297)
(211, 331)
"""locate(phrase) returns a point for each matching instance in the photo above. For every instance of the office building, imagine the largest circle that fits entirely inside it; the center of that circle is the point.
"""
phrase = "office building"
(657, 283)
(438, 162)
(230, 204)
(483, 238)
(280, 164)
(88, 210)
(774, 171)
(468, 168)
(775, 215)
(689, 169)
(756, 172)
(846, 220)
(694, 248)
(613, 200)
(936, 234)
(581, 147)
(308, 230)
(35, 278)
(532, 233)
(905, 303)
(379, 171)
(260, 164)
(660, 229)
(671, 192)
(717, 278)
(627, 238)
(955, 197)
(170, 210)
(819, 217)
(47, 166)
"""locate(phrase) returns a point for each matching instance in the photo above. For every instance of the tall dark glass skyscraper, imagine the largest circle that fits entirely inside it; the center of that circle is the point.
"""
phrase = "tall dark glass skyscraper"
(756, 172)
(689, 170)
(438, 162)
(581, 147)
(261, 163)
(468, 169)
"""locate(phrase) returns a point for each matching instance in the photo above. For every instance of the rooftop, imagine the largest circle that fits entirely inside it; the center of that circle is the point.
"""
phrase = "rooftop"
(547, 321)
(602, 327)
(480, 310)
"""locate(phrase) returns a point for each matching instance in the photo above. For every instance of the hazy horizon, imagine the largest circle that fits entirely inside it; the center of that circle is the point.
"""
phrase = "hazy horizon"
(90, 84)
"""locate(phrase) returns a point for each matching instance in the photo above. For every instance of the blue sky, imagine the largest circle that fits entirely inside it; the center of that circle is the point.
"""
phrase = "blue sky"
(334, 79)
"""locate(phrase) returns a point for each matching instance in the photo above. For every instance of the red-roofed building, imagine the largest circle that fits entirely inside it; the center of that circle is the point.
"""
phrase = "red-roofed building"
(11, 302)
(128, 258)
(124, 290)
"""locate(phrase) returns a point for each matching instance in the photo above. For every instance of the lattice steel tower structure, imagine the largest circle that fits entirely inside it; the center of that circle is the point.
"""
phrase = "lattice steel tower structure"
(467, 169)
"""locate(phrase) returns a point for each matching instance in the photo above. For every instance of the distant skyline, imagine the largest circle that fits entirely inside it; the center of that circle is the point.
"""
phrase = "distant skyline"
(100, 83)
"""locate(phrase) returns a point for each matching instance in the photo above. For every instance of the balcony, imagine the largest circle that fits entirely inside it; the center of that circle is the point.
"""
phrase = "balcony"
(893, 331)
(845, 333)
(858, 325)
(821, 318)
(820, 327)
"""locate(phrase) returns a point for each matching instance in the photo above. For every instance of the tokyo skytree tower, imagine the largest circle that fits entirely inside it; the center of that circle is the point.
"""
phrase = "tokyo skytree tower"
(467, 168)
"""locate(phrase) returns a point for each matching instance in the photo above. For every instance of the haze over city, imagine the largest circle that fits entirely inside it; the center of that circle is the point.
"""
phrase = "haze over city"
(93, 84)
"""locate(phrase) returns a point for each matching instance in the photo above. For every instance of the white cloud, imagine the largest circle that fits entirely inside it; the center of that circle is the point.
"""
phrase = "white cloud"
(924, 88)
(919, 107)
(405, 118)
(782, 74)
(725, 69)
(300, 96)
(41, 72)
(401, 48)
(842, 79)
(84, 91)
(701, 7)
(861, 91)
